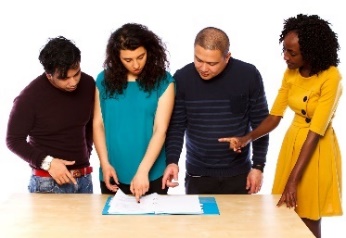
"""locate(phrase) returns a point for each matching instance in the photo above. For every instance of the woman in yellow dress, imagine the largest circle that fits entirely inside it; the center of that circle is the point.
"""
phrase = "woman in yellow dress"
(308, 172)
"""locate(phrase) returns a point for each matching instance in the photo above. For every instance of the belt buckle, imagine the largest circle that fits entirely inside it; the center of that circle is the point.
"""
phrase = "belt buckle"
(76, 173)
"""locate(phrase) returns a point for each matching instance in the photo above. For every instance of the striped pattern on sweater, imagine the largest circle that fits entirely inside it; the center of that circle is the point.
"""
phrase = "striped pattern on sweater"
(231, 104)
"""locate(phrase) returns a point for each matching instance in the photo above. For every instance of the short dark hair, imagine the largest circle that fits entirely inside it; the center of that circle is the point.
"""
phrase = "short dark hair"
(318, 43)
(212, 38)
(59, 55)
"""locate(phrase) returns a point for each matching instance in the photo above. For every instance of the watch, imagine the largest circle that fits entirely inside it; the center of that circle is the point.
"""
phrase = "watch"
(46, 163)
(260, 167)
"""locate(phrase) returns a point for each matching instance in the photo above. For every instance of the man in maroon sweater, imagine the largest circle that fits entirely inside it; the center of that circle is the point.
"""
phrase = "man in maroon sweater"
(50, 125)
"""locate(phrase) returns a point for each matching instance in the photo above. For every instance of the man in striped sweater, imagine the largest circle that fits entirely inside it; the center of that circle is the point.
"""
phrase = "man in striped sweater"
(217, 97)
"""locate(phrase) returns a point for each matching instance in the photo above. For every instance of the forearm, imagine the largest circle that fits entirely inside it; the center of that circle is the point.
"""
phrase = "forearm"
(306, 152)
(89, 135)
(100, 143)
(154, 149)
(259, 151)
(16, 141)
(266, 126)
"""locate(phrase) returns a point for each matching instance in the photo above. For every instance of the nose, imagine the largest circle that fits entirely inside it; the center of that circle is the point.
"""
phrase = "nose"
(286, 55)
(73, 80)
(135, 64)
(204, 67)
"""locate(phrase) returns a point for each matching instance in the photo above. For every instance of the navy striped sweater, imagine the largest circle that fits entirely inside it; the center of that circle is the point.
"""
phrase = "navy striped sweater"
(231, 104)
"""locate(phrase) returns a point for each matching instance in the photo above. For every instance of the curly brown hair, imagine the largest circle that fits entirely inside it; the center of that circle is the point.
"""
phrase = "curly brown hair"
(129, 37)
(317, 41)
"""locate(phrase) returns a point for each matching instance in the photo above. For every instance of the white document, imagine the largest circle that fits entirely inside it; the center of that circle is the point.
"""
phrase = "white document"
(155, 204)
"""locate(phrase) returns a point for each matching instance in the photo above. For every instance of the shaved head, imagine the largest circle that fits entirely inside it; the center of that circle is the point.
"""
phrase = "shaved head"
(212, 38)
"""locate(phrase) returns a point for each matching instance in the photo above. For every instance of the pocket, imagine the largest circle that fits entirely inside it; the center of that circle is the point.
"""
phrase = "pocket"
(41, 184)
(238, 104)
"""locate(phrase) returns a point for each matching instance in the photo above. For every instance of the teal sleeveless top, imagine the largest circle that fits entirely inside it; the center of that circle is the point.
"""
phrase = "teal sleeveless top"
(128, 121)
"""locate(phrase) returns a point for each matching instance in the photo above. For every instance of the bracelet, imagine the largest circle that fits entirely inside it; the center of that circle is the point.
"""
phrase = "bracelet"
(260, 167)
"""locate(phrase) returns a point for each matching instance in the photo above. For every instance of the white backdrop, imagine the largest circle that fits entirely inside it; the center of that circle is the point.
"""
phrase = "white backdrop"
(253, 28)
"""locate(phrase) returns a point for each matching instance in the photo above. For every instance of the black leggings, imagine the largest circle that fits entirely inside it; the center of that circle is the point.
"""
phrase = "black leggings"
(154, 187)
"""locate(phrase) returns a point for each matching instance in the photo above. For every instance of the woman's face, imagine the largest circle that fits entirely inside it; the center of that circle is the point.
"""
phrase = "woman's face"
(134, 61)
(291, 51)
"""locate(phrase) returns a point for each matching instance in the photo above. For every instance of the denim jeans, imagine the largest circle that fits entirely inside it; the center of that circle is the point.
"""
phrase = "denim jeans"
(48, 185)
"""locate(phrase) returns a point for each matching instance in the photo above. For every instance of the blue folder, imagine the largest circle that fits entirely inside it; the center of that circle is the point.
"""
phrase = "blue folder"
(209, 206)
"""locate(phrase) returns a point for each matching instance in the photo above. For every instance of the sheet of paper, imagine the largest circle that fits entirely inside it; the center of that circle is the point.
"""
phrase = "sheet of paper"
(155, 204)
(127, 204)
(178, 204)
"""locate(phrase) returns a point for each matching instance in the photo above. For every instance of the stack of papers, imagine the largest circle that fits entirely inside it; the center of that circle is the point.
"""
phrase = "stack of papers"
(154, 203)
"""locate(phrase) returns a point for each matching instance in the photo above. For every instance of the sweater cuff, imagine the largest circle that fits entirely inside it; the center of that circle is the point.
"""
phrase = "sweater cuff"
(260, 167)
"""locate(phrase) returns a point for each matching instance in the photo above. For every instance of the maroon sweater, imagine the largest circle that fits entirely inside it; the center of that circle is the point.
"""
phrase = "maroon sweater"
(48, 121)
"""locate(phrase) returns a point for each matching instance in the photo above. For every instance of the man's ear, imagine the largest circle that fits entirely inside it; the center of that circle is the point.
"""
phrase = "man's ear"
(228, 56)
(49, 76)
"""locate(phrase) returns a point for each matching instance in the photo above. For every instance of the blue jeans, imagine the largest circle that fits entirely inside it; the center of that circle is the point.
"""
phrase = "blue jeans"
(48, 185)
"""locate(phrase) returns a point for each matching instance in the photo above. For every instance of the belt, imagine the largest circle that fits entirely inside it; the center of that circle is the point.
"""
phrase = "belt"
(76, 173)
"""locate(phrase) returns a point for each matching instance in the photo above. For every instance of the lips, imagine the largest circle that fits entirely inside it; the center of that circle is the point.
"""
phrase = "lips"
(204, 75)
(72, 88)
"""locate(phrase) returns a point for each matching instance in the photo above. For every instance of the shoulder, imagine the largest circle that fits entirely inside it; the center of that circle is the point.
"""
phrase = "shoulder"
(33, 92)
(169, 77)
(332, 73)
(239, 65)
(165, 82)
(99, 78)
(243, 72)
(35, 87)
(86, 77)
(185, 71)
(166, 79)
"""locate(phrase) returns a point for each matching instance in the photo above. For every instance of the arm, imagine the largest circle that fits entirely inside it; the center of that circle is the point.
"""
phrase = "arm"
(140, 182)
(255, 177)
(270, 122)
(257, 114)
(261, 125)
(89, 133)
(18, 130)
(289, 196)
(175, 138)
(100, 145)
(266, 126)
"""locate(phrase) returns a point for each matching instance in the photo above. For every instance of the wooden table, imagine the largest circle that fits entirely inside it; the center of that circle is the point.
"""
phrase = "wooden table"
(72, 215)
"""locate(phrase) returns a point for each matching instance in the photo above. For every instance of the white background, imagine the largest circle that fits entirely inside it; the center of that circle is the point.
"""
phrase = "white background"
(253, 27)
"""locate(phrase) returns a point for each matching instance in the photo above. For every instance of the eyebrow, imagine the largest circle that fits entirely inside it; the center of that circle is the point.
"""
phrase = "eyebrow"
(136, 57)
(216, 62)
(78, 72)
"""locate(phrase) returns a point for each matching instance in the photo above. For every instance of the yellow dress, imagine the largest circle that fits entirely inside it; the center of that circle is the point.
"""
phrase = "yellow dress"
(314, 101)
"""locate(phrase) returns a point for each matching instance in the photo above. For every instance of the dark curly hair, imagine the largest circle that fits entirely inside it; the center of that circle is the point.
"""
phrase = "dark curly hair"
(129, 37)
(59, 55)
(317, 41)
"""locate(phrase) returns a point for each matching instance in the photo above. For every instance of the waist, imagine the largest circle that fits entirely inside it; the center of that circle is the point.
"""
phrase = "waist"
(76, 173)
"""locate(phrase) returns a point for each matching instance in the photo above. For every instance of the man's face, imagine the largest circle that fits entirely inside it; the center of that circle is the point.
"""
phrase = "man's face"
(210, 63)
(67, 84)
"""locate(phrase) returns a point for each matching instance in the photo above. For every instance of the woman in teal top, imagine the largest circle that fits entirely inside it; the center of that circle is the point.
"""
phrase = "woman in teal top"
(133, 106)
